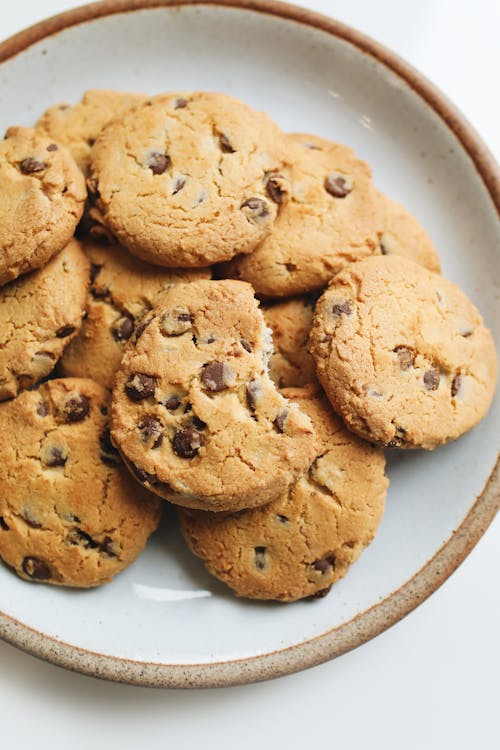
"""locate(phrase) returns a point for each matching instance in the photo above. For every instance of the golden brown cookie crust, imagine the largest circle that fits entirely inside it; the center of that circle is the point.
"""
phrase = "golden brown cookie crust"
(194, 410)
(77, 126)
(39, 315)
(189, 179)
(333, 218)
(303, 542)
(70, 514)
(123, 288)
(403, 354)
(43, 194)
(403, 235)
(290, 322)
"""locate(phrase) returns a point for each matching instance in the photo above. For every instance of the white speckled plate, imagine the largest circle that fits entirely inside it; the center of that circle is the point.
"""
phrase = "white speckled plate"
(164, 621)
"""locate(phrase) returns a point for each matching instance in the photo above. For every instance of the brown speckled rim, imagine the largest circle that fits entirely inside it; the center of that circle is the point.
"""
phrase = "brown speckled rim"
(378, 618)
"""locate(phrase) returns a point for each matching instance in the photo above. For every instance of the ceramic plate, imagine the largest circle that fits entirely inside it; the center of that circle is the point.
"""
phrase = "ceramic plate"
(164, 621)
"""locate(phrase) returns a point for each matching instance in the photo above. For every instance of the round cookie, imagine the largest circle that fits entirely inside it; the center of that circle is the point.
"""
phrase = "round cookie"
(290, 322)
(77, 126)
(404, 236)
(333, 218)
(189, 180)
(123, 288)
(70, 514)
(402, 354)
(300, 544)
(194, 411)
(39, 315)
(42, 198)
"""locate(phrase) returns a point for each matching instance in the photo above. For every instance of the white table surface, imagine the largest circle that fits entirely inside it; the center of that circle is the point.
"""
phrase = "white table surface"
(431, 681)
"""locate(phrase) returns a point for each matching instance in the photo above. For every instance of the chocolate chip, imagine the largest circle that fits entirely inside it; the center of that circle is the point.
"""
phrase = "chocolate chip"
(80, 537)
(52, 147)
(290, 267)
(338, 185)
(104, 410)
(65, 331)
(275, 187)
(3, 524)
(431, 380)
(198, 423)
(76, 408)
(95, 270)
(280, 420)
(281, 518)
(43, 409)
(405, 356)
(341, 308)
(187, 408)
(455, 385)
(109, 454)
(158, 163)
(151, 430)
(399, 438)
(180, 103)
(187, 442)
(90, 142)
(256, 210)
(252, 393)
(36, 568)
(324, 565)
(140, 386)
(225, 144)
(175, 322)
(244, 343)
(172, 403)
(217, 376)
(31, 165)
(123, 328)
(106, 547)
(55, 457)
(260, 558)
(179, 183)
(321, 593)
(141, 327)
(100, 292)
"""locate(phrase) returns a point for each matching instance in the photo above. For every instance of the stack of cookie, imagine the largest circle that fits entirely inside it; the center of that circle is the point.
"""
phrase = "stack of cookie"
(137, 366)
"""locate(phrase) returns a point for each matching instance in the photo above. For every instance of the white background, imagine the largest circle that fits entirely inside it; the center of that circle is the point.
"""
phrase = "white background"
(429, 682)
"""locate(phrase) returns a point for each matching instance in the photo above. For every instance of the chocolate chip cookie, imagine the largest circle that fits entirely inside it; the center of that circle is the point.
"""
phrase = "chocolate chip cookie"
(77, 126)
(290, 322)
(402, 354)
(403, 235)
(300, 544)
(42, 198)
(39, 315)
(195, 413)
(122, 289)
(70, 514)
(189, 179)
(333, 218)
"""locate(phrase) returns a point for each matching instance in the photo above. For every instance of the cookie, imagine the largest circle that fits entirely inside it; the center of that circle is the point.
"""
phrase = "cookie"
(402, 354)
(77, 126)
(70, 514)
(123, 288)
(290, 322)
(333, 218)
(300, 544)
(403, 235)
(42, 197)
(188, 180)
(39, 315)
(194, 411)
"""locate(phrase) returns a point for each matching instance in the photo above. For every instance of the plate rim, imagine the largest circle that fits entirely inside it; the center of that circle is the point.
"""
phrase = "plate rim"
(370, 623)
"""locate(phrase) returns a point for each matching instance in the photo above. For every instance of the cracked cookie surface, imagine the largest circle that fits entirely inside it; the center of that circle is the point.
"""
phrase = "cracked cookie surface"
(39, 315)
(43, 194)
(403, 235)
(70, 514)
(403, 354)
(122, 289)
(333, 217)
(290, 322)
(77, 126)
(189, 179)
(300, 544)
(195, 413)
